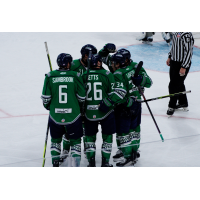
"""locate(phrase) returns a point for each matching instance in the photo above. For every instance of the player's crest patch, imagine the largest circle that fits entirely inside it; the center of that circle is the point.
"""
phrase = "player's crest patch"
(63, 120)
(94, 116)
(187, 39)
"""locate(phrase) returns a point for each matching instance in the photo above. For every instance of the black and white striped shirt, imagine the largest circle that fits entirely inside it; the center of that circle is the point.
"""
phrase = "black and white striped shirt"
(182, 48)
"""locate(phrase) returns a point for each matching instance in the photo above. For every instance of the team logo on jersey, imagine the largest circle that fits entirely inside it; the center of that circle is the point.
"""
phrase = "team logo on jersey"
(127, 68)
(178, 35)
(63, 120)
(94, 116)
(63, 73)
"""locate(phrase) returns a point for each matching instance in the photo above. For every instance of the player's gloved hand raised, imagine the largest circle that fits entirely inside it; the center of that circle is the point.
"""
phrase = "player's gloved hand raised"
(110, 48)
(105, 105)
(137, 80)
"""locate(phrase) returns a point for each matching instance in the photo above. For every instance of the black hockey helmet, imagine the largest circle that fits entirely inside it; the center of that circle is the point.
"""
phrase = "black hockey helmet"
(63, 59)
(118, 58)
(88, 47)
(94, 60)
(126, 53)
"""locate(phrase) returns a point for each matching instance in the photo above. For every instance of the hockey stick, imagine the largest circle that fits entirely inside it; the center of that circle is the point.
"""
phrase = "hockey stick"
(88, 67)
(170, 95)
(45, 145)
(139, 88)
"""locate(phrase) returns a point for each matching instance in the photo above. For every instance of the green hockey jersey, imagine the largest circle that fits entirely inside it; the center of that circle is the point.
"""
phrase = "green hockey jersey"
(100, 85)
(62, 92)
(78, 66)
(126, 73)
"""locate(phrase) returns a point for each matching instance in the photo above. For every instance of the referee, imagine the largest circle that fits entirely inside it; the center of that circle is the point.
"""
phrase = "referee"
(179, 60)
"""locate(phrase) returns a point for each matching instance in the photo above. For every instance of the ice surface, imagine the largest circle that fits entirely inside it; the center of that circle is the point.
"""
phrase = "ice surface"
(23, 119)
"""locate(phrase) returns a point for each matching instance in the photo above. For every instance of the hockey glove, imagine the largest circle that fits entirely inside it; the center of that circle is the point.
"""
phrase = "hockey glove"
(124, 109)
(134, 106)
(110, 48)
(105, 105)
(137, 80)
(46, 106)
(130, 107)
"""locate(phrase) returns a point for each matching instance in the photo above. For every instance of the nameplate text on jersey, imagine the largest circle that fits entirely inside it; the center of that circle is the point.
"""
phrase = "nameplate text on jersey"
(63, 110)
(63, 79)
(92, 107)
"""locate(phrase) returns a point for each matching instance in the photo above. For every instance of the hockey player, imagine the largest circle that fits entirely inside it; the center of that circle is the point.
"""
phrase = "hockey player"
(80, 65)
(100, 99)
(147, 37)
(62, 91)
(144, 81)
(167, 37)
(124, 111)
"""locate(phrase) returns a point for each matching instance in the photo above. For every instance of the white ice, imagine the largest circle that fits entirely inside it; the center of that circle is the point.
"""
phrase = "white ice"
(23, 119)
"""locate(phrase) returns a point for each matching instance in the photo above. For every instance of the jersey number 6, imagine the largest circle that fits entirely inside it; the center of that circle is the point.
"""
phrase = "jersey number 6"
(62, 95)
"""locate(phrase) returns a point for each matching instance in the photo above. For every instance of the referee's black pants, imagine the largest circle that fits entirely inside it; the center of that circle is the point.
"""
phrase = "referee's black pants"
(176, 84)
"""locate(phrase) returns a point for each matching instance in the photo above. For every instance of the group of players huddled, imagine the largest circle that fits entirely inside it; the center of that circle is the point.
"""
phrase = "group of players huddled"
(81, 94)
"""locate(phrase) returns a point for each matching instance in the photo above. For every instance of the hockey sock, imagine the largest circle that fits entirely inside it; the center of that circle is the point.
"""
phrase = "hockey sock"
(135, 138)
(55, 148)
(125, 144)
(90, 146)
(66, 143)
(75, 147)
(106, 147)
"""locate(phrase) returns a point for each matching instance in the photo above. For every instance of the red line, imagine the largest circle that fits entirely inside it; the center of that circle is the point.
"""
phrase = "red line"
(142, 114)
(6, 113)
(23, 116)
(196, 46)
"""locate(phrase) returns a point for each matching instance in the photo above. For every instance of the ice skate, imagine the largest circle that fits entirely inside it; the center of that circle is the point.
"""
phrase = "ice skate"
(147, 42)
(135, 155)
(170, 112)
(127, 162)
(56, 163)
(92, 162)
(182, 107)
(119, 156)
(105, 164)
